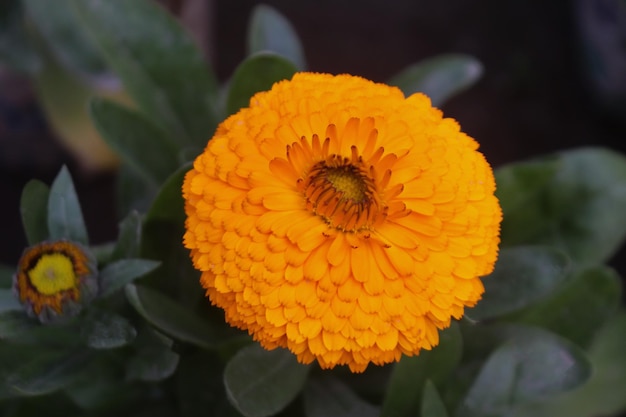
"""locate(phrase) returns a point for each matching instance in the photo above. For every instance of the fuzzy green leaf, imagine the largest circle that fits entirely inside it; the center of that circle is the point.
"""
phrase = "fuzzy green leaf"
(102, 252)
(163, 230)
(140, 144)
(440, 77)
(133, 191)
(578, 209)
(603, 394)
(588, 202)
(532, 367)
(270, 31)
(172, 318)
(116, 275)
(107, 331)
(328, 396)
(522, 193)
(18, 328)
(580, 307)
(261, 383)
(159, 64)
(47, 373)
(153, 359)
(169, 204)
(152, 364)
(60, 29)
(522, 276)
(65, 218)
(16, 324)
(100, 390)
(257, 73)
(8, 300)
(128, 243)
(163, 240)
(432, 404)
(34, 210)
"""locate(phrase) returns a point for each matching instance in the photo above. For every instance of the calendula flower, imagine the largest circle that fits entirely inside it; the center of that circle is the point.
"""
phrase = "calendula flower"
(341, 220)
(54, 279)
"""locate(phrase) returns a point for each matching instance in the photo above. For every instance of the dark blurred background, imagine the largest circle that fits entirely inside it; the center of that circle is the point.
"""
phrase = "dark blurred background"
(554, 78)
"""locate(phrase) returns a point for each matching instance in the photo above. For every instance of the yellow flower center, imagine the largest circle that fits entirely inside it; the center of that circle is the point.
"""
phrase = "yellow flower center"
(53, 273)
(339, 191)
(347, 181)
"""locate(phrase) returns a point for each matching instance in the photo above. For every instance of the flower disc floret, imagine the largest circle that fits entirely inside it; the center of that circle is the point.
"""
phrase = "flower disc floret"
(340, 220)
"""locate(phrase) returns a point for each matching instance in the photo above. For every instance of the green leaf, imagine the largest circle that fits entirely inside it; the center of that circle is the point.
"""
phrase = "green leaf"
(163, 240)
(65, 219)
(328, 396)
(128, 243)
(60, 29)
(133, 192)
(588, 201)
(16, 49)
(270, 31)
(172, 318)
(411, 373)
(522, 276)
(440, 77)
(531, 367)
(140, 144)
(158, 63)
(154, 359)
(14, 324)
(48, 372)
(603, 394)
(116, 275)
(579, 210)
(34, 210)
(579, 309)
(16, 327)
(102, 252)
(163, 231)
(261, 383)
(522, 193)
(152, 365)
(432, 405)
(107, 331)
(169, 205)
(11, 359)
(257, 73)
(6, 276)
(100, 390)
(8, 300)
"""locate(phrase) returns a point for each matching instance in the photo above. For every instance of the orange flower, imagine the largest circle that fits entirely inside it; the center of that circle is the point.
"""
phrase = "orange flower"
(54, 278)
(341, 220)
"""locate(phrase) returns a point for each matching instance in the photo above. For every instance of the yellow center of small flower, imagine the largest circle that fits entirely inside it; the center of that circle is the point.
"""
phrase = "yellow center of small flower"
(53, 273)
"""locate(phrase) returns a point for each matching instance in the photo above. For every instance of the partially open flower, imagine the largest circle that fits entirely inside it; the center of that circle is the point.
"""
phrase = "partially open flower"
(341, 220)
(54, 279)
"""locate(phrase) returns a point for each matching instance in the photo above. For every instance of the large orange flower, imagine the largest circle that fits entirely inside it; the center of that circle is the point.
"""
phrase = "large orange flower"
(341, 220)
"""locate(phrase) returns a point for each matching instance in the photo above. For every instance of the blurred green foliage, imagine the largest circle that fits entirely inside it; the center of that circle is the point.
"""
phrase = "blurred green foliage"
(547, 340)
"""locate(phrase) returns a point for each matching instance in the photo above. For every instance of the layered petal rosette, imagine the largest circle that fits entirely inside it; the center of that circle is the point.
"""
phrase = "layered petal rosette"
(340, 220)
